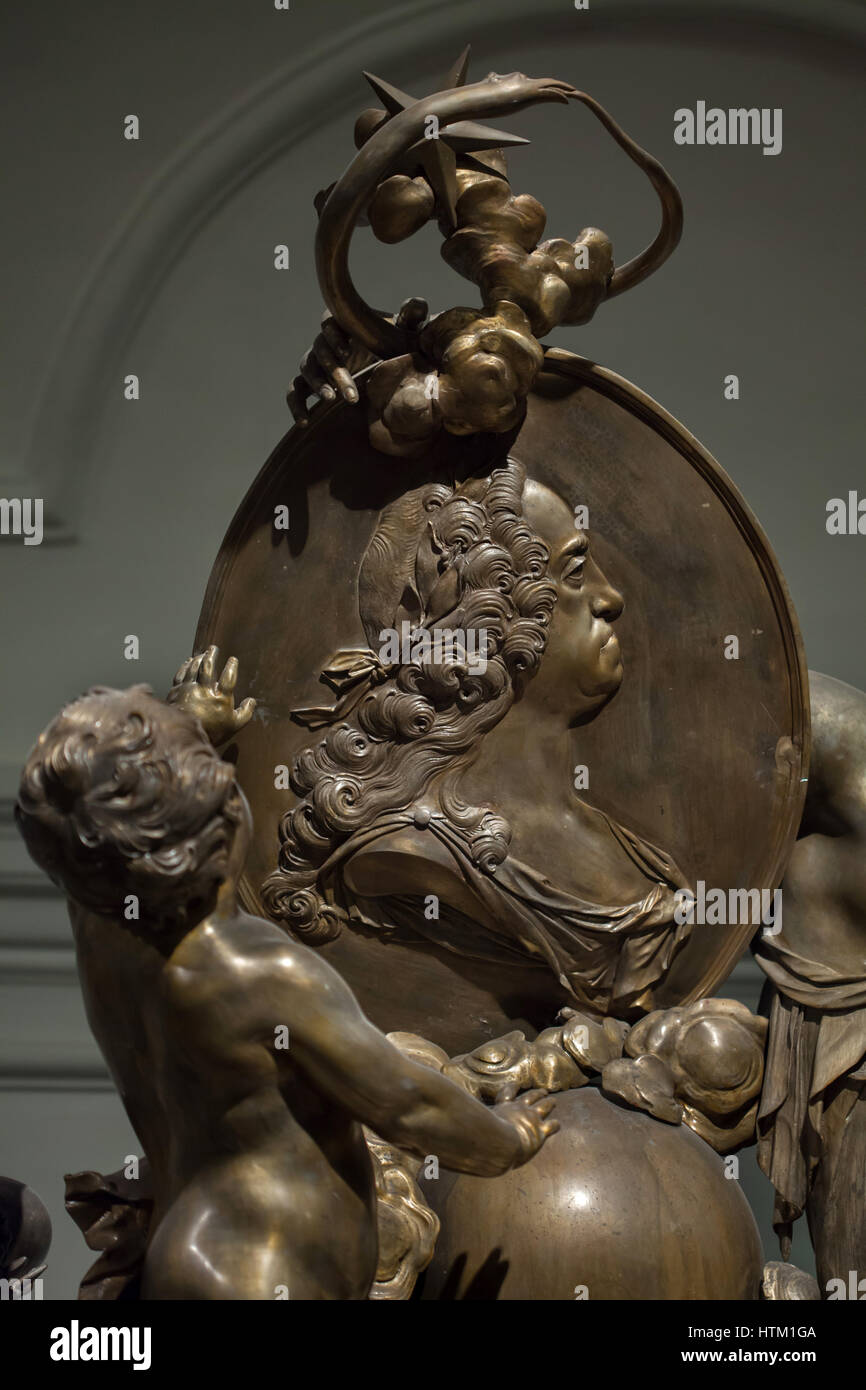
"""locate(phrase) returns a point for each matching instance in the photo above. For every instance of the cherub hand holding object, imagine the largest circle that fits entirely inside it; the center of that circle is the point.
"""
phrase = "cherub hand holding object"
(245, 1064)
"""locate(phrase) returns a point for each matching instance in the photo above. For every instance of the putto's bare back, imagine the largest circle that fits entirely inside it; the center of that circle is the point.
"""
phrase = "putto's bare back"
(241, 1147)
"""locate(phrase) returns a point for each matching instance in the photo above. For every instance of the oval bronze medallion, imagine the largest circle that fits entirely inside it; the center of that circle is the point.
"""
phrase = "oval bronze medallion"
(654, 738)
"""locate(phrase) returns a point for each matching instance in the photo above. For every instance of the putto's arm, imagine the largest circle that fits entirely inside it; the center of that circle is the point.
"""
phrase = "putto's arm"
(211, 701)
(410, 1105)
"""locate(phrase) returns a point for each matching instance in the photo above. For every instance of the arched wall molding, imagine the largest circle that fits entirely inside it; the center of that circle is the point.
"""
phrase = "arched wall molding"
(214, 163)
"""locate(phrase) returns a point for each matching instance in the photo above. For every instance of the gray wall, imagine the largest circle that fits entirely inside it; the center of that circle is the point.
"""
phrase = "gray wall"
(156, 257)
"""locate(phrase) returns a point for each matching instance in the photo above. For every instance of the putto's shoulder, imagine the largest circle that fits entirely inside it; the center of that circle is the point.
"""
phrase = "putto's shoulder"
(240, 953)
(261, 944)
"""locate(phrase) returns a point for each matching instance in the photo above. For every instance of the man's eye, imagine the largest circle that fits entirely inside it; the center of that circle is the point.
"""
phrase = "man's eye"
(573, 572)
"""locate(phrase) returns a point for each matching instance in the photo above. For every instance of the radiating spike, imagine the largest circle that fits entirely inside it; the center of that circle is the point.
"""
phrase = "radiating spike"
(392, 98)
(470, 135)
(457, 75)
(480, 165)
(440, 166)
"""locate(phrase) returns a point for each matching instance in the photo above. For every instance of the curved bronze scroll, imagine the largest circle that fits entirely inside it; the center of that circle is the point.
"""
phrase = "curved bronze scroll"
(495, 96)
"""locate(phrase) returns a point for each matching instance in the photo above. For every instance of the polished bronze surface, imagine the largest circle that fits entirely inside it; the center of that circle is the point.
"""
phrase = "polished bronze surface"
(245, 1065)
(616, 1206)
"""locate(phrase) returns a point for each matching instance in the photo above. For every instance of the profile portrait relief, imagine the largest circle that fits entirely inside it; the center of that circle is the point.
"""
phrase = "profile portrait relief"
(438, 777)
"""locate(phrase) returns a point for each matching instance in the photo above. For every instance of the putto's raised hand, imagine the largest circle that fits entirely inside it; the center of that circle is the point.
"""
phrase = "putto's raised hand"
(210, 700)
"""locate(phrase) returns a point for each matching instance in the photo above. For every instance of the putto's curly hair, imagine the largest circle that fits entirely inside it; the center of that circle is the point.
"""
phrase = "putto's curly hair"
(124, 795)
(461, 556)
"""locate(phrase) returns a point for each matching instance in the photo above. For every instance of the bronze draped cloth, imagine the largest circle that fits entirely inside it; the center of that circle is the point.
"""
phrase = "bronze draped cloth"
(606, 957)
(814, 1074)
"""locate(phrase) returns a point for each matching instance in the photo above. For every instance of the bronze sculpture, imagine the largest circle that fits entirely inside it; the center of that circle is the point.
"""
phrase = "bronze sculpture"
(465, 371)
(245, 1064)
(429, 734)
(361, 530)
(812, 1139)
(532, 589)
(371, 797)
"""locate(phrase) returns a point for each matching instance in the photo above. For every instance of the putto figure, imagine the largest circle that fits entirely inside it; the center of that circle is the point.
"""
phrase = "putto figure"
(245, 1064)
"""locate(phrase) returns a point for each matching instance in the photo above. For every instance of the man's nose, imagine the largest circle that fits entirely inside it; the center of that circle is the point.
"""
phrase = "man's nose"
(607, 602)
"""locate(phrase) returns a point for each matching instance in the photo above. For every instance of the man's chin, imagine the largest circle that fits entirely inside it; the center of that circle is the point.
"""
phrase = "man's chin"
(610, 672)
(603, 692)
